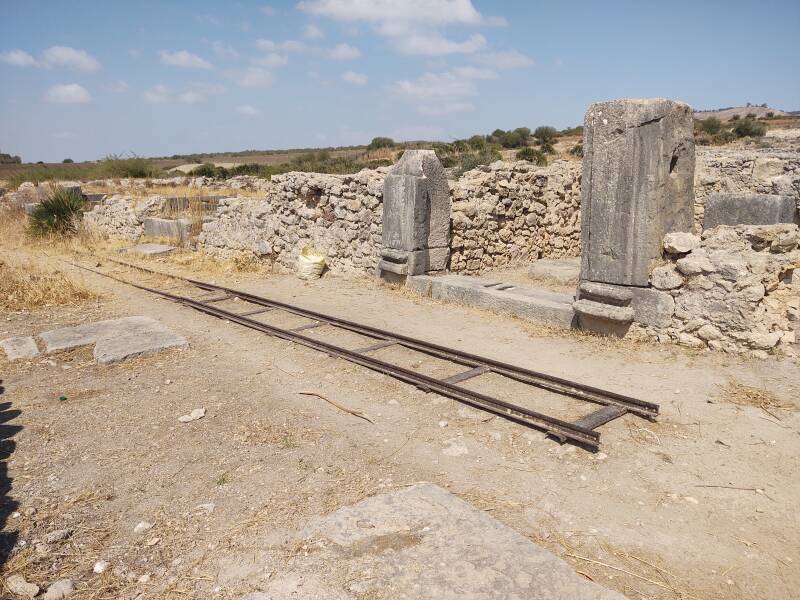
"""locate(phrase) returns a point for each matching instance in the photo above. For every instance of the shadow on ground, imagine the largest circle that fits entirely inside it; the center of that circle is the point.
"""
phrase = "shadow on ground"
(7, 504)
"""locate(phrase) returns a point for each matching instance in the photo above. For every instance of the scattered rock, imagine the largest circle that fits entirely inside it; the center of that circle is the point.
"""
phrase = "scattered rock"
(680, 242)
(60, 589)
(142, 526)
(197, 413)
(100, 566)
(16, 584)
(442, 424)
(57, 536)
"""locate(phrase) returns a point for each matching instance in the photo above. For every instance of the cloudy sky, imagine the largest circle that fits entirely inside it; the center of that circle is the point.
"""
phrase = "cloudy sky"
(84, 79)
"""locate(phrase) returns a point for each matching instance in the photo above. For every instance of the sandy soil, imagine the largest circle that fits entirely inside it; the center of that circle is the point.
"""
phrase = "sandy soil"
(700, 504)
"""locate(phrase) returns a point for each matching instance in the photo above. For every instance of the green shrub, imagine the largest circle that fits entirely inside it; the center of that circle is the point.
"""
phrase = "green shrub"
(58, 214)
(533, 155)
(7, 159)
(133, 167)
(751, 115)
(67, 161)
(770, 114)
(749, 128)
(735, 118)
(380, 142)
(711, 125)
(477, 142)
(572, 131)
(577, 150)
(545, 134)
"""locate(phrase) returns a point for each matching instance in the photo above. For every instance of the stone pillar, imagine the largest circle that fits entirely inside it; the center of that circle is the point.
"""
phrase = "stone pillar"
(637, 186)
(416, 217)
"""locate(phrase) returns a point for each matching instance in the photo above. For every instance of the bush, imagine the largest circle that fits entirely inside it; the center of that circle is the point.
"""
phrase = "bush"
(58, 214)
(380, 142)
(711, 125)
(770, 114)
(749, 128)
(545, 134)
(209, 170)
(133, 167)
(735, 118)
(577, 150)
(477, 142)
(533, 155)
(751, 115)
(67, 161)
(7, 159)
(572, 131)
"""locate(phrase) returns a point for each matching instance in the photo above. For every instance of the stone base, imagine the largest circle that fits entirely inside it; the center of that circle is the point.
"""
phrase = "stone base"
(564, 271)
(172, 229)
(748, 209)
(611, 309)
(533, 304)
(413, 262)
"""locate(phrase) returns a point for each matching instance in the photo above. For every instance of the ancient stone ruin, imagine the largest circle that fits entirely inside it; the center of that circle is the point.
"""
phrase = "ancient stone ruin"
(637, 186)
(416, 217)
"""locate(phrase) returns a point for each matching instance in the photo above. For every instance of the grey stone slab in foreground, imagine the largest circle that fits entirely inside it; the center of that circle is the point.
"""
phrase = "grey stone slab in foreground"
(17, 348)
(529, 303)
(151, 249)
(116, 339)
(422, 542)
(748, 209)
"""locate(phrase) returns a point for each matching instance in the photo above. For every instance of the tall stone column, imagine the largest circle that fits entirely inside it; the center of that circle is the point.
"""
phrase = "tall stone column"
(637, 186)
(416, 217)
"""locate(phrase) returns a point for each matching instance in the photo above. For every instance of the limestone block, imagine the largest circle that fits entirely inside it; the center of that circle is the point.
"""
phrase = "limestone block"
(680, 242)
(19, 347)
(666, 278)
(652, 307)
(637, 186)
(748, 209)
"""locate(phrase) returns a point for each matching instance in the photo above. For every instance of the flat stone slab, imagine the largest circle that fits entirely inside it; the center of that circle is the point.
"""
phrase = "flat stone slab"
(17, 348)
(748, 209)
(551, 308)
(422, 542)
(172, 229)
(562, 270)
(151, 249)
(116, 339)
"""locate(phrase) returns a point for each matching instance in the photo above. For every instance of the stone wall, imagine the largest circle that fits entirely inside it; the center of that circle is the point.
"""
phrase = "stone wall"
(736, 289)
(514, 212)
(121, 216)
(337, 214)
(761, 171)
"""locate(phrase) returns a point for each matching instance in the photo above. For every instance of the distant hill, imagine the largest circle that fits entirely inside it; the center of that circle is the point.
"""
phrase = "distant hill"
(725, 114)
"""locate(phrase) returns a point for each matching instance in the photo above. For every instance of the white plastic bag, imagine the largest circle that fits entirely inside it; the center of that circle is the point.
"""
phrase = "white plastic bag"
(310, 263)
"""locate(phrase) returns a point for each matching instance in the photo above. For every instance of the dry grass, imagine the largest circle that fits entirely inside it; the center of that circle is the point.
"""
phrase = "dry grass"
(740, 394)
(28, 286)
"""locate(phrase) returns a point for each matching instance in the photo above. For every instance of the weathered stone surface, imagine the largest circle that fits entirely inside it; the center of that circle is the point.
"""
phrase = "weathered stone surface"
(533, 304)
(115, 339)
(748, 209)
(652, 307)
(681, 242)
(416, 208)
(637, 185)
(172, 229)
(666, 277)
(17, 348)
(475, 556)
(59, 590)
(17, 584)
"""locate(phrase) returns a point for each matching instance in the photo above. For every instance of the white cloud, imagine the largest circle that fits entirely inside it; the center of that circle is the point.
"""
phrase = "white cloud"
(254, 77)
(68, 93)
(210, 19)
(287, 46)
(510, 59)
(473, 73)
(248, 111)
(412, 26)
(426, 12)
(312, 32)
(445, 92)
(344, 52)
(197, 92)
(64, 56)
(271, 60)
(224, 51)
(183, 58)
(117, 87)
(355, 78)
(267, 10)
(18, 58)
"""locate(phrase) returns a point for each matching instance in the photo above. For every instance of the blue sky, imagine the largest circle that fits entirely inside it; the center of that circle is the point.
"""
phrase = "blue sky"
(84, 79)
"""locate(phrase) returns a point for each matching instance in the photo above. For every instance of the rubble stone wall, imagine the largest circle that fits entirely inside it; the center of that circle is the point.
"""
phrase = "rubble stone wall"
(736, 289)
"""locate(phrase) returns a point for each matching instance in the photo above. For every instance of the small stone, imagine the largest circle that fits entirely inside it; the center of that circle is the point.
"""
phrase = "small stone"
(153, 541)
(144, 578)
(57, 536)
(600, 456)
(685, 339)
(60, 589)
(680, 242)
(16, 584)
(100, 566)
(691, 500)
(207, 508)
(197, 413)
(442, 424)
(695, 263)
(708, 332)
(142, 526)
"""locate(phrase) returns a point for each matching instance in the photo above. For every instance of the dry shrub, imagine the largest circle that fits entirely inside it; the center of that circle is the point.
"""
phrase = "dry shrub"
(740, 394)
(12, 225)
(28, 286)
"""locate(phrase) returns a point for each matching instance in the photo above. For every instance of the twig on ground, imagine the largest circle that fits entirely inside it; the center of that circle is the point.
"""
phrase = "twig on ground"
(355, 413)
(733, 487)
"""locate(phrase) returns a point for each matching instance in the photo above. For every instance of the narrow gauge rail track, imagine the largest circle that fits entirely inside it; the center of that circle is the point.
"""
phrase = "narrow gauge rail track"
(581, 431)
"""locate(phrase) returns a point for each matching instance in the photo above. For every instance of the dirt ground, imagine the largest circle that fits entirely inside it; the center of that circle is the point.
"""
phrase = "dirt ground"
(701, 503)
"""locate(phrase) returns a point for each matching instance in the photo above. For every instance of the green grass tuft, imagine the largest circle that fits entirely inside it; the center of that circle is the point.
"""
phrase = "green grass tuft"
(58, 214)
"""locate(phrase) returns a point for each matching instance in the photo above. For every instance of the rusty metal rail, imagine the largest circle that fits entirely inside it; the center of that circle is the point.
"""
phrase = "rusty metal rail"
(582, 431)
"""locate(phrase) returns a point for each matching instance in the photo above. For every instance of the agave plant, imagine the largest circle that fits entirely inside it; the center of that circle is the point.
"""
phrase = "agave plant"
(58, 214)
